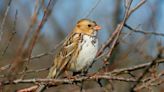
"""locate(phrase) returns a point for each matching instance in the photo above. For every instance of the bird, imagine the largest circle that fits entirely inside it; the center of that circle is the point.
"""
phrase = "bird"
(77, 51)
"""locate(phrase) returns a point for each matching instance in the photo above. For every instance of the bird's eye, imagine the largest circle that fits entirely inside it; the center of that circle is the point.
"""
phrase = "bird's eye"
(89, 25)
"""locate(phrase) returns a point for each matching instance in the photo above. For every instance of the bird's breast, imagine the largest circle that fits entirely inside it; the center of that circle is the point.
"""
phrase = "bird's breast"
(88, 49)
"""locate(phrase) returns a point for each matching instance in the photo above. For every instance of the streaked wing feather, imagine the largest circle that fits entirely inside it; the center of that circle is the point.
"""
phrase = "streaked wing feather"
(66, 55)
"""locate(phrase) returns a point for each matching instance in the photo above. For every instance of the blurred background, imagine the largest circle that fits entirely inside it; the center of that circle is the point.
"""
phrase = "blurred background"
(134, 48)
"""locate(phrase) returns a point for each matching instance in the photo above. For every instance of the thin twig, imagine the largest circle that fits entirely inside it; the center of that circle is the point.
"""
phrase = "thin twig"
(111, 42)
(152, 63)
(143, 32)
(152, 82)
(69, 81)
(137, 6)
(133, 68)
(32, 43)
(4, 19)
(120, 25)
(35, 57)
(12, 35)
(114, 72)
(92, 9)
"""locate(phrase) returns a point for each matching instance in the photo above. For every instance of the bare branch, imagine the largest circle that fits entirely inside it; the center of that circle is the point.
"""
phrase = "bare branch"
(153, 62)
(144, 32)
(137, 6)
(151, 82)
(133, 68)
(70, 81)
(93, 8)
(4, 19)
(12, 35)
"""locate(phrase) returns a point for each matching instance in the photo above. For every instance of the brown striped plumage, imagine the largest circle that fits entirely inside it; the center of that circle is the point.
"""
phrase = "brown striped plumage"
(78, 50)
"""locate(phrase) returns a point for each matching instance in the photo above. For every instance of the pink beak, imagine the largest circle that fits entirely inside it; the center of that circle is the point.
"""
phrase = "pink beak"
(97, 28)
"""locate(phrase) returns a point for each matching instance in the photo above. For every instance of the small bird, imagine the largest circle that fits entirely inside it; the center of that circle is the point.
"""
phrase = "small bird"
(78, 50)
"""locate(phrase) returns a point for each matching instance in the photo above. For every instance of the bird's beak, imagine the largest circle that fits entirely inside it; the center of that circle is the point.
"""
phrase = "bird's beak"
(97, 27)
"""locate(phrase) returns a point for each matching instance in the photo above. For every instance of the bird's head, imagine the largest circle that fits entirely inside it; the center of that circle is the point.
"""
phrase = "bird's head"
(87, 26)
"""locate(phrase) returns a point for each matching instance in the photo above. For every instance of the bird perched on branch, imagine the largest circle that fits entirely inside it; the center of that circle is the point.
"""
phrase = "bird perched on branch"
(78, 50)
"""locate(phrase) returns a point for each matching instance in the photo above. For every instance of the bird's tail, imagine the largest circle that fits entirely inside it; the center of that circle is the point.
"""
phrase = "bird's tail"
(52, 74)
(41, 88)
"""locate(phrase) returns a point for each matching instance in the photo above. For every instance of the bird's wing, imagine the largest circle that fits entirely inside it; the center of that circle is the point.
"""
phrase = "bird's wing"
(66, 55)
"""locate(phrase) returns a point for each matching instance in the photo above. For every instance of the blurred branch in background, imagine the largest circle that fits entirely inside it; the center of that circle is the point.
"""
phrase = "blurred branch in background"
(47, 12)
(147, 70)
(92, 9)
(143, 32)
(115, 35)
(4, 19)
(12, 34)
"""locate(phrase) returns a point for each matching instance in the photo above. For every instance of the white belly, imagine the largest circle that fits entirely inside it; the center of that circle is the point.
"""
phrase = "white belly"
(88, 52)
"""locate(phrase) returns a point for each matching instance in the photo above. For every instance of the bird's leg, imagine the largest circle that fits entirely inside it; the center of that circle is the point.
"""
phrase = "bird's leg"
(81, 73)
(67, 75)
(99, 82)
(81, 87)
(84, 73)
(77, 73)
